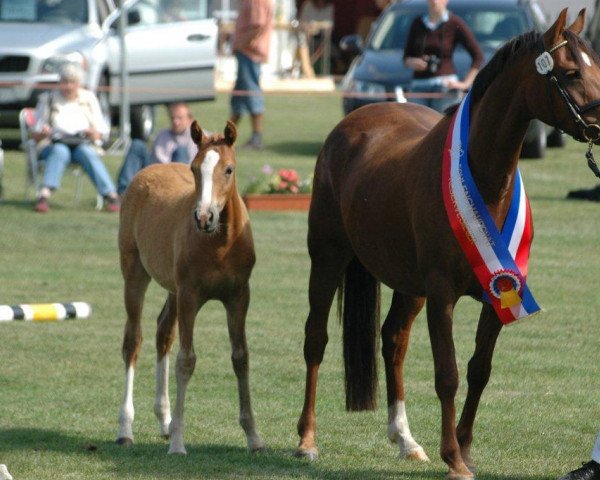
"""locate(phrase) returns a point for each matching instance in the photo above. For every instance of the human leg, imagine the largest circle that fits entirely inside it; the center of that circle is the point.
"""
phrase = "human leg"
(137, 157)
(180, 155)
(56, 157)
(94, 167)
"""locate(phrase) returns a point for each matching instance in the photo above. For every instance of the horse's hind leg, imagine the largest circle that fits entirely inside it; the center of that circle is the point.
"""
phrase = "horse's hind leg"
(329, 259)
(478, 374)
(136, 283)
(165, 336)
(237, 307)
(395, 334)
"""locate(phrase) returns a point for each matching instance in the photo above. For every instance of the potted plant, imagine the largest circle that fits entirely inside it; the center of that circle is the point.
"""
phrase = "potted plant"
(281, 190)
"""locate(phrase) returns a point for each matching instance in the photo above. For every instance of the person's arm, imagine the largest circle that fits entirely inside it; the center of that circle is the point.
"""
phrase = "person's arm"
(42, 129)
(468, 40)
(414, 59)
(98, 130)
(161, 151)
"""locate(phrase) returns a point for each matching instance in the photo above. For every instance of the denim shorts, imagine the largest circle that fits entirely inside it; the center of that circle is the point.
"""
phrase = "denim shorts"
(248, 81)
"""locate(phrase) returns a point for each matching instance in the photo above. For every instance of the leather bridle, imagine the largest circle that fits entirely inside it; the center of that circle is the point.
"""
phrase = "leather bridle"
(590, 131)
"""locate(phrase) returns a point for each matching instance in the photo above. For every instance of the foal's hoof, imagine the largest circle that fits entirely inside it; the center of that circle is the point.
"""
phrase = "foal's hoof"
(124, 441)
(311, 453)
(454, 475)
(257, 447)
(418, 455)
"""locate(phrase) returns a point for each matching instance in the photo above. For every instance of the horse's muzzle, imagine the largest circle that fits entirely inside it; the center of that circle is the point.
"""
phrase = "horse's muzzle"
(206, 222)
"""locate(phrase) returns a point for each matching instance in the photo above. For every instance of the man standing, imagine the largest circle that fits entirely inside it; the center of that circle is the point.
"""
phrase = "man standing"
(251, 41)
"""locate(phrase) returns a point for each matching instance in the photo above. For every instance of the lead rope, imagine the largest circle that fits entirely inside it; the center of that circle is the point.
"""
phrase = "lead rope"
(591, 161)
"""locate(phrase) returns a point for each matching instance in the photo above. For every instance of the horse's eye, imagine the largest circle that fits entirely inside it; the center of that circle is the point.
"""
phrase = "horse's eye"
(573, 74)
(229, 170)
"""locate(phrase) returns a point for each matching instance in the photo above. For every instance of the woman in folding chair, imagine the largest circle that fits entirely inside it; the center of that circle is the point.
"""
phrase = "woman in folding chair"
(70, 128)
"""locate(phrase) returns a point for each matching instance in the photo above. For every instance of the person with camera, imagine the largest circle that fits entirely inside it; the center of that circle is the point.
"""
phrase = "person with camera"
(431, 41)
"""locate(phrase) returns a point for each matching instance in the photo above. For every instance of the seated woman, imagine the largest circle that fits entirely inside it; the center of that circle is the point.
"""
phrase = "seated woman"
(70, 128)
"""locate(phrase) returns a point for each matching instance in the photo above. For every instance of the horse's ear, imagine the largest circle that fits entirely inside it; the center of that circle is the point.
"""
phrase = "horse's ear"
(554, 33)
(577, 26)
(197, 133)
(230, 133)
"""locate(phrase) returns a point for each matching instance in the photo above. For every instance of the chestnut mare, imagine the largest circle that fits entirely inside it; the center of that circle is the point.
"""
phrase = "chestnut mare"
(377, 215)
(188, 229)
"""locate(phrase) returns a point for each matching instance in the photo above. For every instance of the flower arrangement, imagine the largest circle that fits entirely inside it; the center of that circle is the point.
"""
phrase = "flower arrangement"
(285, 181)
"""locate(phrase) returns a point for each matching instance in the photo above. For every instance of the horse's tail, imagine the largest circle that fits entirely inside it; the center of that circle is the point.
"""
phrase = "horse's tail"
(358, 307)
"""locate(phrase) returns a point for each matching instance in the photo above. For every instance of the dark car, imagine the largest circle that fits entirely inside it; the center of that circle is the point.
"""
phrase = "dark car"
(378, 72)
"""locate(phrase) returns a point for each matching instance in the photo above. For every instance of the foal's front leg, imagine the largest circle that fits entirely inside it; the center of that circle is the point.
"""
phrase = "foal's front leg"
(187, 307)
(237, 307)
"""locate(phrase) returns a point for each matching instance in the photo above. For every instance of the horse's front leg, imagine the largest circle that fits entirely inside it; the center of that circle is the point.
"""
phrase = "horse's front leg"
(478, 375)
(237, 307)
(188, 305)
(165, 336)
(440, 305)
(395, 335)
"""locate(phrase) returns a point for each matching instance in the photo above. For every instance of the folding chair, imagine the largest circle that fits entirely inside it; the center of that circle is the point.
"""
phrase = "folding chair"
(27, 121)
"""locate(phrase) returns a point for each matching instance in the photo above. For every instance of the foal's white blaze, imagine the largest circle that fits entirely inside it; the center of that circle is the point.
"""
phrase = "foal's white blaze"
(127, 411)
(586, 58)
(207, 169)
(399, 433)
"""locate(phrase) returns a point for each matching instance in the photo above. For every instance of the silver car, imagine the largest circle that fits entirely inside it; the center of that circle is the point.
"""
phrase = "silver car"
(171, 48)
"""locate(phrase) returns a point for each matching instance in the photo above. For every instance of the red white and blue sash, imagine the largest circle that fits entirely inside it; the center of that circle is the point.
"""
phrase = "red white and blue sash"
(498, 259)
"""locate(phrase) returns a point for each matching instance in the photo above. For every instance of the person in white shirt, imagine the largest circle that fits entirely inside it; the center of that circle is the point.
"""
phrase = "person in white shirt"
(70, 128)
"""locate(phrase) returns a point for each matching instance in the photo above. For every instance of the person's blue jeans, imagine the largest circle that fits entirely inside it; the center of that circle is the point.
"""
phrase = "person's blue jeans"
(138, 157)
(247, 81)
(434, 85)
(57, 157)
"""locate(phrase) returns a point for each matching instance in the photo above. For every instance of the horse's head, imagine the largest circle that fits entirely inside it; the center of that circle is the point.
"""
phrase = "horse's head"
(568, 74)
(214, 175)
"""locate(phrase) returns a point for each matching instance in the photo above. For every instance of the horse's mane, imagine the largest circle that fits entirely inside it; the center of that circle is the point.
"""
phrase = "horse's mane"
(511, 51)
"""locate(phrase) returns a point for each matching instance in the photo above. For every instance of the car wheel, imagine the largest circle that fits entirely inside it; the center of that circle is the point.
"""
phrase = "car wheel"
(557, 138)
(142, 121)
(536, 147)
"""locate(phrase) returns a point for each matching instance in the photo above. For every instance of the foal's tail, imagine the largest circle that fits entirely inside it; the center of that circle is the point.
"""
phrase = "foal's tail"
(358, 306)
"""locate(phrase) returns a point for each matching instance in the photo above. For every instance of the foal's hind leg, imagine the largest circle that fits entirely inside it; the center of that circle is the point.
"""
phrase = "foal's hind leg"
(237, 307)
(480, 367)
(395, 335)
(136, 282)
(165, 336)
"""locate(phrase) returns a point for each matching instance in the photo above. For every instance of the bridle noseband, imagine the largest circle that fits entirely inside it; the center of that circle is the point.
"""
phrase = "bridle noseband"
(590, 131)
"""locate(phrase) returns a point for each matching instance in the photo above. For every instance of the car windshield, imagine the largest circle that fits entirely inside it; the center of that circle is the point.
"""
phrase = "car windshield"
(492, 28)
(44, 11)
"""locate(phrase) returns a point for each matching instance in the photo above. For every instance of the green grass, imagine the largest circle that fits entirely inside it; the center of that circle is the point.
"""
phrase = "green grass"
(61, 383)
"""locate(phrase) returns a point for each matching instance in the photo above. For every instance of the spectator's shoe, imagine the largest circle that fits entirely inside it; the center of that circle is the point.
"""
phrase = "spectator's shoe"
(41, 205)
(255, 143)
(592, 194)
(589, 471)
(113, 204)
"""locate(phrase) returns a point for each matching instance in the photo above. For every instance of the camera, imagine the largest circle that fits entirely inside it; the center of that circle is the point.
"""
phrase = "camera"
(433, 64)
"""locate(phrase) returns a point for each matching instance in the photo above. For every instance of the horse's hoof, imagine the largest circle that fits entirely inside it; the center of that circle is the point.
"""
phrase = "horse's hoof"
(417, 455)
(257, 446)
(311, 454)
(124, 441)
(177, 451)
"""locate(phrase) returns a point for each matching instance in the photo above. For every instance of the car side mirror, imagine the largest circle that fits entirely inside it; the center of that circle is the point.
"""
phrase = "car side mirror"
(352, 44)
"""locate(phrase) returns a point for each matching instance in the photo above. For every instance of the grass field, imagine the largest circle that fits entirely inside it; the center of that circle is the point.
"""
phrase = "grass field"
(61, 383)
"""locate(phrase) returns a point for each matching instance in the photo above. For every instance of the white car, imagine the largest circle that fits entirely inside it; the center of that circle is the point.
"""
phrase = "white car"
(171, 48)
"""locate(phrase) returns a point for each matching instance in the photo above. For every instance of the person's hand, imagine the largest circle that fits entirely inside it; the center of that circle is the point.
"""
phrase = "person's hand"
(45, 132)
(92, 134)
(457, 85)
(418, 64)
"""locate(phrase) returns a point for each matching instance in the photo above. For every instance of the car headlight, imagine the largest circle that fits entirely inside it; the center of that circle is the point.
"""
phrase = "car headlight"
(369, 89)
(54, 63)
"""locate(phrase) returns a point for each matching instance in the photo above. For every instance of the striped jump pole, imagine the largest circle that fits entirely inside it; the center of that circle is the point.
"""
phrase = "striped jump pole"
(45, 312)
